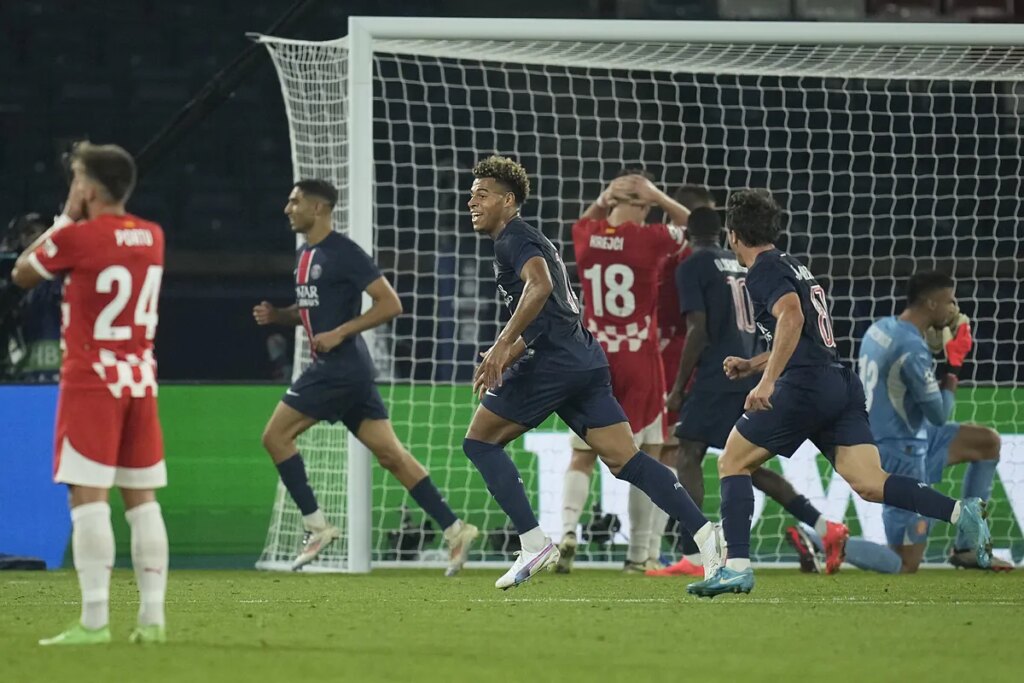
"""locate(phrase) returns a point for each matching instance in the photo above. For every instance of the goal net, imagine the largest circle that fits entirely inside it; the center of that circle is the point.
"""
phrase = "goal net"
(887, 159)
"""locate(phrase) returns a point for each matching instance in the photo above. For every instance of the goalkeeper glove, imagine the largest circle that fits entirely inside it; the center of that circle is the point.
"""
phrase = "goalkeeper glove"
(954, 341)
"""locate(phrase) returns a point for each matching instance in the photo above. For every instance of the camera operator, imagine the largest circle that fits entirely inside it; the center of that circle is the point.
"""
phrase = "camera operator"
(29, 321)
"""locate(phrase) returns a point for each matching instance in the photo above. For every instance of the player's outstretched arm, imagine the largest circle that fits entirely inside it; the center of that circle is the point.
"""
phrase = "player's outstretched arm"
(789, 320)
(693, 346)
(386, 306)
(538, 288)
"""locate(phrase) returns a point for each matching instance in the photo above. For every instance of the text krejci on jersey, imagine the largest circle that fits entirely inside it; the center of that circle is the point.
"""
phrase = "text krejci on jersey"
(133, 237)
(306, 296)
(607, 243)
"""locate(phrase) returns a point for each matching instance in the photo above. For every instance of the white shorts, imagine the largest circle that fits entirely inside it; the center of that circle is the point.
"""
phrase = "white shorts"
(78, 470)
(651, 435)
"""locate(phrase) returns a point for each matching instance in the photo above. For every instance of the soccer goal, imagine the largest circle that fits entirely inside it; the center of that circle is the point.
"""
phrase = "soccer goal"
(892, 147)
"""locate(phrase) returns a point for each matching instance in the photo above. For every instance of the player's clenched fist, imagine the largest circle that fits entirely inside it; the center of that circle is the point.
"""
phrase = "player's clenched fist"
(737, 368)
(265, 313)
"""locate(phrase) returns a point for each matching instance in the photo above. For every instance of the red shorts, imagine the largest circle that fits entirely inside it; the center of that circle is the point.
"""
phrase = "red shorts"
(103, 441)
(638, 383)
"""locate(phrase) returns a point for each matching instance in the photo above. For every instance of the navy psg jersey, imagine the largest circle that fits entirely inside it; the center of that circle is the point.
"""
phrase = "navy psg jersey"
(329, 282)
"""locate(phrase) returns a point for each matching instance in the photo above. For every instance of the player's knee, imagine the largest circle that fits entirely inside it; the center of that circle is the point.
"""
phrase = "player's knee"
(992, 443)
(730, 464)
(391, 457)
(271, 440)
(870, 488)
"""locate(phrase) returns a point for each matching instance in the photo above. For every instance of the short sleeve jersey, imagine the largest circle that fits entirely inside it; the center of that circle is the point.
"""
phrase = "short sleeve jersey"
(329, 282)
(775, 274)
(619, 267)
(556, 336)
(712, 281)
(112, 267)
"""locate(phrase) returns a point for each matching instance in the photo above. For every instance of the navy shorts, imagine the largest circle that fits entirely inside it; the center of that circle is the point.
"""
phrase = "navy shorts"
(708, 416)
(325, 394)
(583, 398)
(921, 460)
(822, 403)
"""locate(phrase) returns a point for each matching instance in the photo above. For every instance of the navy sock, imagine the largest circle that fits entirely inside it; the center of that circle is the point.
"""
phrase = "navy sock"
(910, 494)
(737, 511)
(429, 498)
(664, 490)
(503, 481)
(803, 510)
(293, 476)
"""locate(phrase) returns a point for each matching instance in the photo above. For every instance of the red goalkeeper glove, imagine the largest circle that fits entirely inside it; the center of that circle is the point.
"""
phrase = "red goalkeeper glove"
(960, 344)
(954, 341)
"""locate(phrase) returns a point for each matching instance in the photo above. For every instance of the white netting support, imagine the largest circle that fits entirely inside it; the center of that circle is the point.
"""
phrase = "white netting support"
(887, 157)
(319, 150)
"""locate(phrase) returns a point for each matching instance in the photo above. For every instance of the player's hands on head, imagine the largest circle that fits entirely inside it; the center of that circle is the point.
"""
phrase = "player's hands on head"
(265, 313)
(74, 205)
(325, 341)
(737, 368)
(646, 191)
(760, 397)
(488, 373)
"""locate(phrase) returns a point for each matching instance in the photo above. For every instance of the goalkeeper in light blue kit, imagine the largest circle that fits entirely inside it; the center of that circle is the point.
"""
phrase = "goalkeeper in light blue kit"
(909, 413)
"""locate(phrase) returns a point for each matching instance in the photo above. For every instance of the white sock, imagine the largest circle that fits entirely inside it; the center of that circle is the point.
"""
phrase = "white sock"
(641, 509)
(659, 520)
(92, 544)
(701, 537)
(955, 517)
(149, 557)
(574, 496)
(693, 559)
(315, 521)
(821, 526)
(534, 540)
(739, 564)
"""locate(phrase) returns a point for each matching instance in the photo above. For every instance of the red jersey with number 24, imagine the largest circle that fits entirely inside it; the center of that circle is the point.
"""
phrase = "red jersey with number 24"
(114, 266)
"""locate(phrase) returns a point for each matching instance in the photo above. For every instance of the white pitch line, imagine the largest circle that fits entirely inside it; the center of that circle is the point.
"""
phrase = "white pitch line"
(552, 600)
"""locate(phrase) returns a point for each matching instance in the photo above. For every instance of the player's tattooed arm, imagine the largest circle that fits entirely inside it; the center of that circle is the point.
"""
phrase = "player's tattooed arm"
(538, 288)
(696, 340)
(789, 321)
(386, 306)
(266, 313)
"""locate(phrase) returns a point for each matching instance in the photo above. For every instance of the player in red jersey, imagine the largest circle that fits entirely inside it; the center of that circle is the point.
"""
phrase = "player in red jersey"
(107, 430)
(617, 259)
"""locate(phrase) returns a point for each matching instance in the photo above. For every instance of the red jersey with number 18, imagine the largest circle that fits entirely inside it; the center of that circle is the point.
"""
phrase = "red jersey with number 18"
(618, 268)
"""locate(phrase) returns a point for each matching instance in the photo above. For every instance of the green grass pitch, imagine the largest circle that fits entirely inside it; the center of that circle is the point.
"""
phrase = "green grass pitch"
(416, 626)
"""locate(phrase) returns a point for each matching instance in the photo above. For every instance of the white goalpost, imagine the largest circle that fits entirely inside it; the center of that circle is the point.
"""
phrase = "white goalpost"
(892, 147)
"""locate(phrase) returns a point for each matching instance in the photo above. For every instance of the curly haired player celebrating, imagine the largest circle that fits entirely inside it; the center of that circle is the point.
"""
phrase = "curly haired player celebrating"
(618, 256)
(545, 361)
(108, 431)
